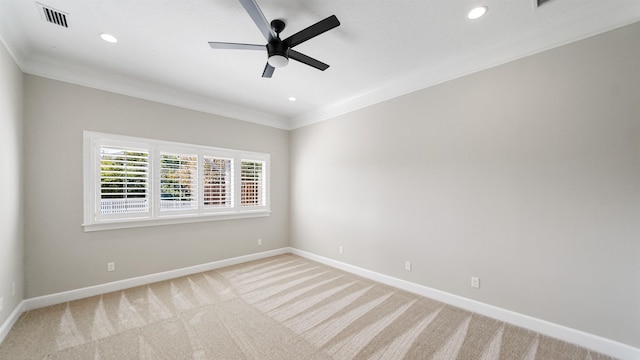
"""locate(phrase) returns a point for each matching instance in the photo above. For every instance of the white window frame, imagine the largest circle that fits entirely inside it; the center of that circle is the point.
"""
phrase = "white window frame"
(95, 221)
(156, 184)
(220, 155)
(265, 186)
(95, 170)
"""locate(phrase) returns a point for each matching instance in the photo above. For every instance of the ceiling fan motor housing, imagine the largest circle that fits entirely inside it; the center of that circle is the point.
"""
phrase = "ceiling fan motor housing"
(278, 51)
(277, 47)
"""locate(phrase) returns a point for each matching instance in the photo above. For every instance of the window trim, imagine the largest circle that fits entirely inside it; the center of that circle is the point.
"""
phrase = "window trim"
(91, 177)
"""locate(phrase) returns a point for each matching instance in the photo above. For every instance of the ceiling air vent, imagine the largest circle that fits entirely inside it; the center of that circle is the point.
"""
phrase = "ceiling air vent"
(52, 15)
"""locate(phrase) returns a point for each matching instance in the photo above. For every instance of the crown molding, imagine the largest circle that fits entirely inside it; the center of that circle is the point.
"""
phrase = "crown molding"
(453, 68)
(141, 89)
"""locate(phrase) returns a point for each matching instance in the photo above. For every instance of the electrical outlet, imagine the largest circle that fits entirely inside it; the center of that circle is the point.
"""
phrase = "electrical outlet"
(475, 282)
(111, 266)
(340, 249)
(407, 265)
(259, 242)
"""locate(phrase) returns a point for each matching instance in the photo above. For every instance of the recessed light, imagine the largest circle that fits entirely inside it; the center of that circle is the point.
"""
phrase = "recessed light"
(109, 38)
(477, 12)
(292, 99)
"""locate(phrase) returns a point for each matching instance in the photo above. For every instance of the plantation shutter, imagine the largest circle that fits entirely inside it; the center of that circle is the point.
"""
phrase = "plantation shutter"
(124, 180)
(218, 182)
(252, 178)
(131, 182)
(178, 181)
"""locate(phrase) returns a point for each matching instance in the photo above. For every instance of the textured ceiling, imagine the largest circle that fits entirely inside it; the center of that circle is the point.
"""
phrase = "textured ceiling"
(382, 49)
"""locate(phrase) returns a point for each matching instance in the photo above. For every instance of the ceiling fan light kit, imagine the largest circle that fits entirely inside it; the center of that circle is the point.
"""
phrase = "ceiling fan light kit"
(280, 51)
(278, 61)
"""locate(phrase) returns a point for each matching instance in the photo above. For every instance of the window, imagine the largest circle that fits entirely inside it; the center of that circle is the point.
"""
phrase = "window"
(251, 175)
(130, 182)
(218, 182)
(178, 181)
(124, 181)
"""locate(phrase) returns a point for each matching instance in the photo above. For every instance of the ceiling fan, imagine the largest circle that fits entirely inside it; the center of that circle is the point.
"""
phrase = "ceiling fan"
(280, 51)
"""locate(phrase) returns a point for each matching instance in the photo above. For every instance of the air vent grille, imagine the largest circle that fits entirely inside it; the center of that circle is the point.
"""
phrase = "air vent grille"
(53, 16)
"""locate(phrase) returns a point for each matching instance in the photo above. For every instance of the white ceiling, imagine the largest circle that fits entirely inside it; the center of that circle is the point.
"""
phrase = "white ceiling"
(382, 49)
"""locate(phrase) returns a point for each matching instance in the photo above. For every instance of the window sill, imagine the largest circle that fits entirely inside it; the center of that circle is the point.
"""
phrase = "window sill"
(170, 220)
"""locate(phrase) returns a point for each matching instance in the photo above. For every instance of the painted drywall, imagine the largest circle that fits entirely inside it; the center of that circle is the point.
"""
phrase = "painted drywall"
(526, 175)
(11, 205)
(61, 256)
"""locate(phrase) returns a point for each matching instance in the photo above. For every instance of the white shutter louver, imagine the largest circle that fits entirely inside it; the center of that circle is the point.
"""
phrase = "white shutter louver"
(218, 182)
(124, 180)
(252, 182)
(178, 181)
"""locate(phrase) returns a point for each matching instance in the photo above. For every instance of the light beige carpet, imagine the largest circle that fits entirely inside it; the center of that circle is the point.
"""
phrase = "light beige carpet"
(284, 307)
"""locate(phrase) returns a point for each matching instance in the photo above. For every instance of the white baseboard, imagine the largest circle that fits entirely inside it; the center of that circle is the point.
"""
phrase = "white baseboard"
(586, 340)
(58, 298)
(11, 320)
(583, 339)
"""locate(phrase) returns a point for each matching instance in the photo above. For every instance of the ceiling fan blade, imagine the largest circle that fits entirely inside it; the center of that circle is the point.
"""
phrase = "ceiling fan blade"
(258, 18)
(312, 31)
(268, 71)
(307, 60)
(236, 46)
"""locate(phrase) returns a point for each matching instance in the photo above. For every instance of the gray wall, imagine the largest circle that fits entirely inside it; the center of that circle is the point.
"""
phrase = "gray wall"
(11, 209)
(61, 256)
(526, 175)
